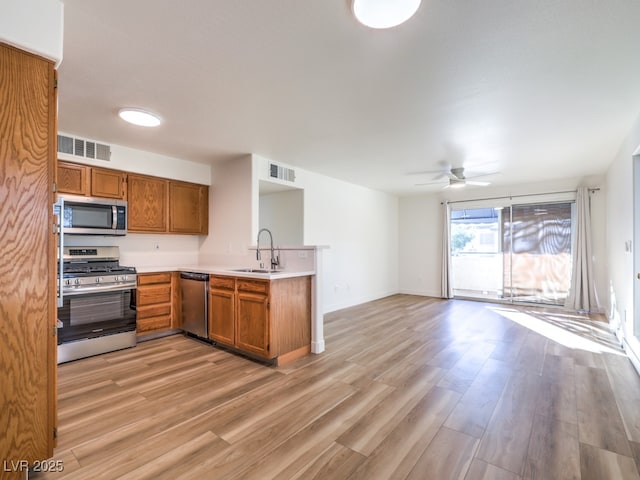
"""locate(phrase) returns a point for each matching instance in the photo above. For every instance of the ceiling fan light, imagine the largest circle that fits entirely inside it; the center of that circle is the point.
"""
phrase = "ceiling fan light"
(384, 13)
(457, 184)
(140, 117)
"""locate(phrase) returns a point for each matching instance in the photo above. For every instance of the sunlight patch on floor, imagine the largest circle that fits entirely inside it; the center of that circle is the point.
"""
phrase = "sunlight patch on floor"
(572, 331)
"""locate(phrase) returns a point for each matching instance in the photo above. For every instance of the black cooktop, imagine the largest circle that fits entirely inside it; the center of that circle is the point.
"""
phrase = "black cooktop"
(96, 267)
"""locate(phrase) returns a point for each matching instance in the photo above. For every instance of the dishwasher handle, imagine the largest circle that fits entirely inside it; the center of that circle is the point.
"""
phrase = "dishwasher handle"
(201, 277)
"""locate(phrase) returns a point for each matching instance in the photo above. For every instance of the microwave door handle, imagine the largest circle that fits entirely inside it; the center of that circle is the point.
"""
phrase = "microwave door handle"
(114, 217)
(59, 208)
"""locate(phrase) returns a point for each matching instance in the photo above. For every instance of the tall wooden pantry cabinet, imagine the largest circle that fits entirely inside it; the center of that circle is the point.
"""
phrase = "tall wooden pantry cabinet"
(27, 259)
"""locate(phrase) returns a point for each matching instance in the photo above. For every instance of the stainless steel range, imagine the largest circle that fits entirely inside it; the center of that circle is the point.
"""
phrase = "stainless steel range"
(98, 303)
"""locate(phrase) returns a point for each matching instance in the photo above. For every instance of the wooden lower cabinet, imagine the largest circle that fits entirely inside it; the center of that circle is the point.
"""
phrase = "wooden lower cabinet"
(270, 319)
(221, 315)
(252, 323)
(156, 302)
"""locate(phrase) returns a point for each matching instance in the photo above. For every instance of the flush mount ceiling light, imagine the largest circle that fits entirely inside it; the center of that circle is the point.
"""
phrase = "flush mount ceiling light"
(140, 117)
(384, 13)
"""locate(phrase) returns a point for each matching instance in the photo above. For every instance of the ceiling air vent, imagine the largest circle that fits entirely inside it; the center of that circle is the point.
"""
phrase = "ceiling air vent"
(282, 173)
(79, 147)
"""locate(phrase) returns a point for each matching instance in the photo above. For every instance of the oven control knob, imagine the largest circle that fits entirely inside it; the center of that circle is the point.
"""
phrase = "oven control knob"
(67, 282)
(116, 278)
(77, 281)
(98, 279)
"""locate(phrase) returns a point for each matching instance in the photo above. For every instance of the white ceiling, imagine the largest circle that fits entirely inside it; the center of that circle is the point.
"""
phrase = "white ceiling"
(536, 90)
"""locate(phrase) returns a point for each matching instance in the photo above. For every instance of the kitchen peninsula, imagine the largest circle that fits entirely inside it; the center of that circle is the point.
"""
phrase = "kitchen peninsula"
(269, 315)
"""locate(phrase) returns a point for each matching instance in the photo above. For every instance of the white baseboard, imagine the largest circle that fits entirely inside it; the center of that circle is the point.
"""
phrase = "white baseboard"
(635, 361)
(421, 293)
(317, 347)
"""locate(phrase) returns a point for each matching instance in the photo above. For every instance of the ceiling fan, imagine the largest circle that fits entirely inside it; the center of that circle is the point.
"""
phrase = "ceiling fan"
(456, 178)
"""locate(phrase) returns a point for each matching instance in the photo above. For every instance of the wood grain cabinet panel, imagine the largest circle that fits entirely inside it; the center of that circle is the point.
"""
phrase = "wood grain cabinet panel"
(28, 311)
(270, 319)
(84, 180)
(188, 208)
(222, 315)
(73, 178)
(147, 197)
(155, 302)
(252, 324)
(158, 205)
(108, 183)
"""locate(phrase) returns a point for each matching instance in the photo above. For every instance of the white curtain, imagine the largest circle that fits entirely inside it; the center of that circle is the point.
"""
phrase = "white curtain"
(446, 285)
(582, 293)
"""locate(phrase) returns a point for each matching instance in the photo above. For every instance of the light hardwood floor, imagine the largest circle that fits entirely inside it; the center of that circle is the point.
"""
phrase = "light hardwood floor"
(408, 388)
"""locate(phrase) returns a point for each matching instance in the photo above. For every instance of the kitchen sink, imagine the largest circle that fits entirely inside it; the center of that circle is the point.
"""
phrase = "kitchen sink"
(254, 270)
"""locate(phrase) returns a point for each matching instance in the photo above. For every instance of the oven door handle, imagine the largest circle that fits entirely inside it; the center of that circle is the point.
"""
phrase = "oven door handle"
(110, 288)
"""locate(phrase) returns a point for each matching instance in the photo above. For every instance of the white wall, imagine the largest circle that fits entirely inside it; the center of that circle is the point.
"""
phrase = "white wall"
(146, 163)
(231, 200)
(421, 231)
(619, 229)
(139, 249)
(361, 228)
(420, 245)
(283, 212)
(33, 25)
(359, 225)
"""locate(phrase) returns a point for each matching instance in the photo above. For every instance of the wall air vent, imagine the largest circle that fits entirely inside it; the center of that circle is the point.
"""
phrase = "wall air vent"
(79, 147)
(282, 173)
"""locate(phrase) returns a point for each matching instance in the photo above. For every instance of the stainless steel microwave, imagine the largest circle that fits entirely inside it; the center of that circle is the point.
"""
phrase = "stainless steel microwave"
(93, 216)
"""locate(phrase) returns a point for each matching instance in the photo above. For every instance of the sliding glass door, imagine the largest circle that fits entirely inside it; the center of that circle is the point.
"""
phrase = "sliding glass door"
(477, 269)
(519, 253)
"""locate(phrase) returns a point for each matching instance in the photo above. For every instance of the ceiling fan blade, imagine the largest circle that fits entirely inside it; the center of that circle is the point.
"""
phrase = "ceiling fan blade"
(428, 172)
(427, 183)
(482, 174)
(477, 184)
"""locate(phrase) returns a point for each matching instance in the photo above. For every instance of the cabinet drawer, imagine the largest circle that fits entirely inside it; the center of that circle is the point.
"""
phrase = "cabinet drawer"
(154, 294)
(226, 283)
(153, 310)
(150, 278)
(257, 286)
(153, 323)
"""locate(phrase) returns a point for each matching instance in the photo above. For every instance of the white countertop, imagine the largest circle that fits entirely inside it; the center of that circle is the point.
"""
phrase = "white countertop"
(228, 271)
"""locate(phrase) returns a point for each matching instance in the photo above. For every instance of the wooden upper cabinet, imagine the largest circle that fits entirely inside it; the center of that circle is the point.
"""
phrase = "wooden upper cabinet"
(91, 181)
(73, 178)
(188, 208)
(108, 183)
(147, 197)
(156, 205)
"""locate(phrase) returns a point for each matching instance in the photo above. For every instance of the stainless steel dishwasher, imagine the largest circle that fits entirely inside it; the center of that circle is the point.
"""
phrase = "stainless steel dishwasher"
(195, 302)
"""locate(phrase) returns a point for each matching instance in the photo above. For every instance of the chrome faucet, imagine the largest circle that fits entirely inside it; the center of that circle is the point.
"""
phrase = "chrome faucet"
(275, 260)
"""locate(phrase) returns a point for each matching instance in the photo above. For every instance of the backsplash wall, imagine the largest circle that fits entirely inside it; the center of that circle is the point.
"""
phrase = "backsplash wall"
(146, 250)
